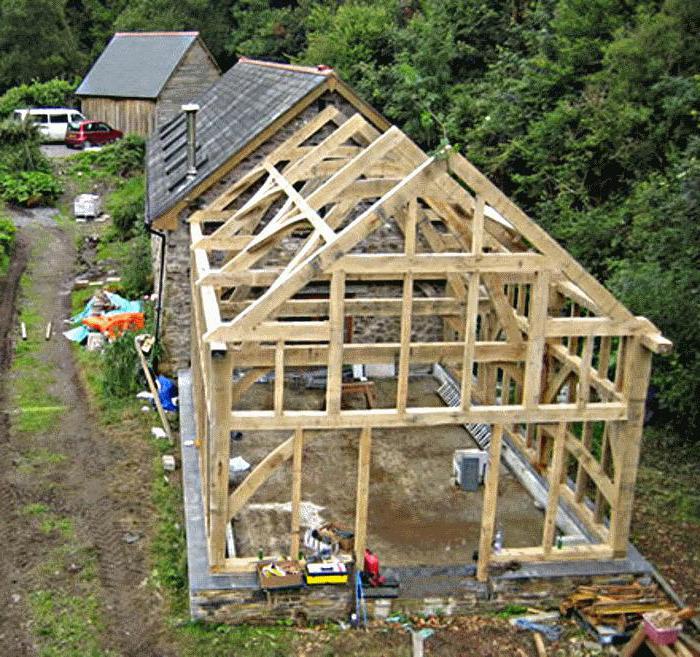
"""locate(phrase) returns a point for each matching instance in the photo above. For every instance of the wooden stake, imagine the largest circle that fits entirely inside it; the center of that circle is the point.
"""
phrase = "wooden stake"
(362, 501)
(23, 329)
(48, 331)
(488, 514)
(152, 387)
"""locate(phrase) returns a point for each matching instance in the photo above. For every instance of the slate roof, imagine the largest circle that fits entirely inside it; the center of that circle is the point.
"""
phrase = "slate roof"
(136, 64)
(242, 103)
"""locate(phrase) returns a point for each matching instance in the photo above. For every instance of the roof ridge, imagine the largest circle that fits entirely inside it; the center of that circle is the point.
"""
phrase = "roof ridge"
(320, 69)
(120, 34)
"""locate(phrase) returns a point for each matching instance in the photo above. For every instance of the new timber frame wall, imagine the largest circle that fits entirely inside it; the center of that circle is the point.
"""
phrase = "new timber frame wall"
(542, 351)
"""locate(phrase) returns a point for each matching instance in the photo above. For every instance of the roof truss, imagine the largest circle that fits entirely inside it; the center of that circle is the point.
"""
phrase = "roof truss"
(541, 350)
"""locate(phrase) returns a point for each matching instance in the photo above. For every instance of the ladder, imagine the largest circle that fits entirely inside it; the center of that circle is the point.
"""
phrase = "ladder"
(481, 433)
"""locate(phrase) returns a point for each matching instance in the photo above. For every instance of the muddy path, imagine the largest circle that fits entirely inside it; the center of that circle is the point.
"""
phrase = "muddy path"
(97, 478)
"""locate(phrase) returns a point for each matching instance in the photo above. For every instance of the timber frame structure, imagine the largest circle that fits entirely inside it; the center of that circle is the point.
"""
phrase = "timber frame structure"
(541, 351)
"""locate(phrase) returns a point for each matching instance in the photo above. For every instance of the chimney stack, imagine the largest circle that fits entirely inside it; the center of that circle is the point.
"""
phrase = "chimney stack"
(190, 111)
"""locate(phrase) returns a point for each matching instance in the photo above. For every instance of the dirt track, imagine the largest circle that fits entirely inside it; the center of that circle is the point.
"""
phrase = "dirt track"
(101, 484)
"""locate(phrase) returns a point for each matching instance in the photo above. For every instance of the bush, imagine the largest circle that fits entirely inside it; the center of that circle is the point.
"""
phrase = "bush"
(123, 158)
(54, 93)
(126, 205)
(137, 277)
(19, 148)
(7, 241)
(29, 188)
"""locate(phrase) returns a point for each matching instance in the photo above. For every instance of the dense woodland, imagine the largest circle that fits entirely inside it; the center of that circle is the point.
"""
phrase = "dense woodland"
(584, 111)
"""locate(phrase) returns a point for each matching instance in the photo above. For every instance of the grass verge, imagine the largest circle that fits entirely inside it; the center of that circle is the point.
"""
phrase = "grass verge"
(37, 411)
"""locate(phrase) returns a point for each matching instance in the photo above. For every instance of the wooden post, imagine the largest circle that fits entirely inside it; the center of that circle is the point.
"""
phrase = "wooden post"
(362, 500)
(478, 225)
(334, 377)
(406, 309)
(488, 514)
(555, 472)
(221, 364)
(539, 299)
(405, 350)
(278, 400)
(636, 371)
(296, 490)
(472, 313)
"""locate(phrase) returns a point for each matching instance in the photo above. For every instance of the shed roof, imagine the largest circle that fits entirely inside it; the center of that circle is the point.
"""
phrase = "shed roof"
(136, 64)
(246, 100)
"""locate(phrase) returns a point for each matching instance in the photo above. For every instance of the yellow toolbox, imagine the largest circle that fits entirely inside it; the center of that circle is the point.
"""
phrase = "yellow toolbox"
(331, 572)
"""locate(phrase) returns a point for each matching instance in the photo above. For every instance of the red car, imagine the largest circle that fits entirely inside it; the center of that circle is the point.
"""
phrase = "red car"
(90, 133)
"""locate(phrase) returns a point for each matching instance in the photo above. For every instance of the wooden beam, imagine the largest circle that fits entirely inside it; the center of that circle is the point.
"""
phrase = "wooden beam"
(488, 514)
(367, 307)
(504, 311)
(296, 331)
(440, 263)
(428, 416)
(567, 553)
(259, 475)
(362, 496)
(380, 353)
(298, 448)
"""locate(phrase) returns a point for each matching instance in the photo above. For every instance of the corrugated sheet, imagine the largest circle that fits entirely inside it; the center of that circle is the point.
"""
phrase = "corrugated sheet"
(240, 105)
(136, 65)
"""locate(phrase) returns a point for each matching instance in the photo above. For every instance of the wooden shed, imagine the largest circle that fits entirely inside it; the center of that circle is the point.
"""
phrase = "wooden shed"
(142, 79)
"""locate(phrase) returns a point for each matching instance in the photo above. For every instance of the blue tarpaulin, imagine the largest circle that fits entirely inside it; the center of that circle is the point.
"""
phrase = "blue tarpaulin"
(79, 333)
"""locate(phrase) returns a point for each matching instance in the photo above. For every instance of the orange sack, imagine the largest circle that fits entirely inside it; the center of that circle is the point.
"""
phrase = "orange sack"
(114, 325)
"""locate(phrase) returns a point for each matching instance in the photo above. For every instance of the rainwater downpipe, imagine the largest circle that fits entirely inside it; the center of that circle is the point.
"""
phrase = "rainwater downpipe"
(161, 277)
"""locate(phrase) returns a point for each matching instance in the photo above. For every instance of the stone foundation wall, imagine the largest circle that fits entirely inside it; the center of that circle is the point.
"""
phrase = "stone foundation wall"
(324, 603)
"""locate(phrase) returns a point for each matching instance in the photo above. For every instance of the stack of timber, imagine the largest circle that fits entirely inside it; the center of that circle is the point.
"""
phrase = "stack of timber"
(613, 613)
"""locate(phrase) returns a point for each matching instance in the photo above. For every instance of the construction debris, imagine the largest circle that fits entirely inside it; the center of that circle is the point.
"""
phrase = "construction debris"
(612, 613)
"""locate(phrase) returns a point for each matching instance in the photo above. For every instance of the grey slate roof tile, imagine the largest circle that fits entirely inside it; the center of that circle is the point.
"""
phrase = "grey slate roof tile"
(241, 104)
(136, 65)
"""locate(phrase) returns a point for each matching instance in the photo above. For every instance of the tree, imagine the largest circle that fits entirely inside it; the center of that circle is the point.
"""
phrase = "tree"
(36, 42)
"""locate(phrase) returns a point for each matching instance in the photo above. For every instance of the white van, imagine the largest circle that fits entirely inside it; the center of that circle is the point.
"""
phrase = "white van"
(52, 121)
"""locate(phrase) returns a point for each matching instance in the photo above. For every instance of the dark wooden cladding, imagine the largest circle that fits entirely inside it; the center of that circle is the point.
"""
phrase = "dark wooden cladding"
(125, 114)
